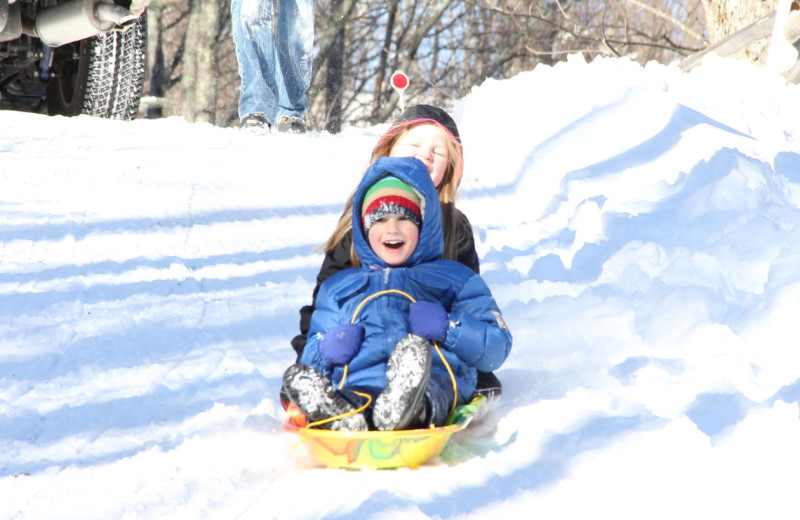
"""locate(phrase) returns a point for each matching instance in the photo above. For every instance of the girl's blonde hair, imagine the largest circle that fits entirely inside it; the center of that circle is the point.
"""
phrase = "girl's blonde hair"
(446, 189)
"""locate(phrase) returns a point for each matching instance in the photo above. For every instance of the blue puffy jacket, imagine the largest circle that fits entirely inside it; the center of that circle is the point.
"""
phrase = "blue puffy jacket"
(477, 338)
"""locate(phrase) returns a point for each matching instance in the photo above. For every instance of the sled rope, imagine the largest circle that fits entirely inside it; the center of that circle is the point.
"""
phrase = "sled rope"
(342, 415)
(435, 346)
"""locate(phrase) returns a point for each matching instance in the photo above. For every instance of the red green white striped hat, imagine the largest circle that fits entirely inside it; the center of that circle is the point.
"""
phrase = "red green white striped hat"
(391, 196)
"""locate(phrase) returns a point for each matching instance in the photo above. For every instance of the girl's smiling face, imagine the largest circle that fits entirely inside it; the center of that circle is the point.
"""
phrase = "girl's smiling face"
(428, 143)
(393, 238)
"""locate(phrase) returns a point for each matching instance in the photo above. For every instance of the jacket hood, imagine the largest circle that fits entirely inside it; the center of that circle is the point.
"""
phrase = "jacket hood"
(413, 172)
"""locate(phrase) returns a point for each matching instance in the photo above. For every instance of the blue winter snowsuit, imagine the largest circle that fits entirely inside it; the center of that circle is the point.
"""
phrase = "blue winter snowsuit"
(477, 337)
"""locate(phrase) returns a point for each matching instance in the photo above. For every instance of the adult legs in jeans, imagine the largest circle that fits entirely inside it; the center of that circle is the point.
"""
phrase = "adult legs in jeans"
(295, 45)
(274, 59)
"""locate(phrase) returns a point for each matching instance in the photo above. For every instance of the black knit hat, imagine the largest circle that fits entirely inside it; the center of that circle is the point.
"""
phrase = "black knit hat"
(432, 113)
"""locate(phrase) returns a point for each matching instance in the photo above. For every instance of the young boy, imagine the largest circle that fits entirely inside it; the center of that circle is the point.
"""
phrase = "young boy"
(373, 325)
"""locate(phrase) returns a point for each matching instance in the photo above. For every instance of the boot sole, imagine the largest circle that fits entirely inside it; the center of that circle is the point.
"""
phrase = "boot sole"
(399, 403)
(314, 394)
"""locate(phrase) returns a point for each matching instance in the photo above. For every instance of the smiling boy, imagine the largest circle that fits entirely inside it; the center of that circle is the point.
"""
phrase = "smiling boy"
(392, 217)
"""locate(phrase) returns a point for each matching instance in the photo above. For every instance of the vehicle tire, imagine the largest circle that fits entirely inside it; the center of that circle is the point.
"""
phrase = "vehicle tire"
(101, 76)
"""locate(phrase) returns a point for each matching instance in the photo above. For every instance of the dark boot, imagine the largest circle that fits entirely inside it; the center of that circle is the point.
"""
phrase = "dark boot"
(488, 385)
(291, 125)
(255, 123)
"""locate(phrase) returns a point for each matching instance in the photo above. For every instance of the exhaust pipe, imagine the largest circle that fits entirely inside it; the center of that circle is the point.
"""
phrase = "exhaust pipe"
(77, 20)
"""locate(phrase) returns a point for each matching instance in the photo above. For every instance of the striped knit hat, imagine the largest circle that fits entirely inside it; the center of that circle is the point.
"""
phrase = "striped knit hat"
(390, 196)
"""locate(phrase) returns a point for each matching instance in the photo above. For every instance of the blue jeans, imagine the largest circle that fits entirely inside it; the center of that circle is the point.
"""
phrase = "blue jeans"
(274, 59)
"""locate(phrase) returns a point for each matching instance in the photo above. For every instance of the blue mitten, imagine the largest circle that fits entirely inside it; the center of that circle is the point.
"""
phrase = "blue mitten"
(342, 343)
(429, 320)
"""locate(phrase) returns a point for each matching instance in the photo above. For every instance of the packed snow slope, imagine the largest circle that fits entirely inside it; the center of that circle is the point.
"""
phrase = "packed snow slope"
(639, 227)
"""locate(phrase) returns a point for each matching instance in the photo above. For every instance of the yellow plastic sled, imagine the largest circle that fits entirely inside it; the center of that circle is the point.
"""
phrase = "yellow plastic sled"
(377, 449)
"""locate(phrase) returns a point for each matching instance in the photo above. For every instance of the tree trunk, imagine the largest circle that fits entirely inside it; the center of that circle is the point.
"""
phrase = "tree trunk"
(380, 77)
(334, 70)
(199, 77)
(155, 56)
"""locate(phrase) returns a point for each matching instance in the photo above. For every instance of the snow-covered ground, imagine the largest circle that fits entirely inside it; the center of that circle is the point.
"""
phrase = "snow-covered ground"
(639, 227)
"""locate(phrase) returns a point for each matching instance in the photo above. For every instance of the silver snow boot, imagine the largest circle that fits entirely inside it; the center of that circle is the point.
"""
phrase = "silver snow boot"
(402, 402)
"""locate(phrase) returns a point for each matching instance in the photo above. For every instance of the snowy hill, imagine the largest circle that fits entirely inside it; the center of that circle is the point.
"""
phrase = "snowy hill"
(639, 227)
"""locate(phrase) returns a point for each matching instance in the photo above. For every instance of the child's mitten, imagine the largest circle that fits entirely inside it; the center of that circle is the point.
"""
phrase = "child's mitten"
(342, 343)
(429, 320)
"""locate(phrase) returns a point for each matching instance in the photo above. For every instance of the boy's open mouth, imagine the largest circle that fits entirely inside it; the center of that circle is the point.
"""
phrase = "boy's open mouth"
(393, 244)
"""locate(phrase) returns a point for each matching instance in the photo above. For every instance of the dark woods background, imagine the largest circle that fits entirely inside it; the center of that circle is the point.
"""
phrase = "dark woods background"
(445, 46)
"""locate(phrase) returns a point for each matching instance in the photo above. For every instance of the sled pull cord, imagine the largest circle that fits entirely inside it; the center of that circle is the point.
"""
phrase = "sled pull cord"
(435, 346)
(342, 415)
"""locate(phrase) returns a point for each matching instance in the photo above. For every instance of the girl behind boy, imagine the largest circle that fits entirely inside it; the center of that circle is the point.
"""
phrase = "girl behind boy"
(430, 134)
